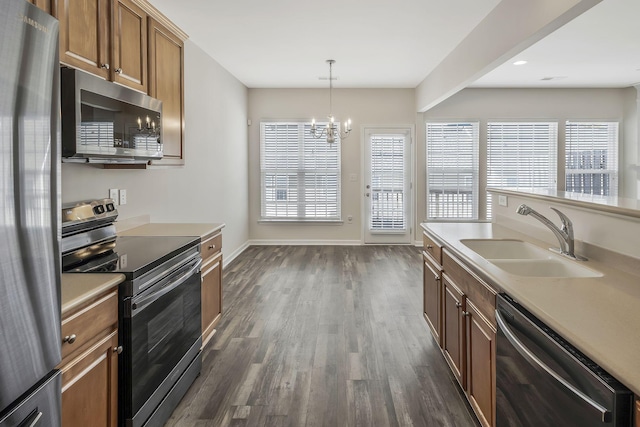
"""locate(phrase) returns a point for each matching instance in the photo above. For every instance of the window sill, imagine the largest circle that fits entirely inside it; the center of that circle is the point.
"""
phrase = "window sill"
(302, 221)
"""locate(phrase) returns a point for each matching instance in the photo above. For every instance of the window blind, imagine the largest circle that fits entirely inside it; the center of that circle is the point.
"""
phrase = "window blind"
(521, 156)
(387, 182)
(452, 170)
(300, 175)
(591, 158)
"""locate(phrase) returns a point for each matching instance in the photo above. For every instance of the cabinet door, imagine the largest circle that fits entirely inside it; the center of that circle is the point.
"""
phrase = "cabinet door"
(129, 45)
(453, 331)
(90, 386)
(432, 299)
(211, 296)
(42, 4)
(84, 35)
(166, 82)
(481, 365)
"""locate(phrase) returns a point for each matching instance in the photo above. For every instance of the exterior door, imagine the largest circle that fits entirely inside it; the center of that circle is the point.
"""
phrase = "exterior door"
(387, 186)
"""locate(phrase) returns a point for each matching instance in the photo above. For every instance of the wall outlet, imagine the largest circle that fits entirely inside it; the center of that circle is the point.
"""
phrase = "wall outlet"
(113, 194)
(502, 200)
(123, 197)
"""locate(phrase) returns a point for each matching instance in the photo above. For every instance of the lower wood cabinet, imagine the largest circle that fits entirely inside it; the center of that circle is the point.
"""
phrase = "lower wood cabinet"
(432, 283)
(90, 363)
(460, 310)
(481, 364)
(453, 331)
(90, 386)
(211, 291)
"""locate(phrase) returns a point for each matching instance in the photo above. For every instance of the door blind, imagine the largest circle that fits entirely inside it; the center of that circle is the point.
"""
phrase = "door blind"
(591, 158)
(452, 170)
(387, 193)
(521, 156)
(300, 175)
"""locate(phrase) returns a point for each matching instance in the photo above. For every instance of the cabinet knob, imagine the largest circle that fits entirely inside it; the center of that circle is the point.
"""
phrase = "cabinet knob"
(465, 313)
(117, 349)
(105, 66)
(437, 278)
(70, 338)
(212, 246)
(429, 247)
(119, 70)
(458, 304)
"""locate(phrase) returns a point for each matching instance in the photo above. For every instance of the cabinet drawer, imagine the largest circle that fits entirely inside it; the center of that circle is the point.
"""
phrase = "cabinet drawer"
(85, 324)
(483, 296)
(432, 248)
(210, 246)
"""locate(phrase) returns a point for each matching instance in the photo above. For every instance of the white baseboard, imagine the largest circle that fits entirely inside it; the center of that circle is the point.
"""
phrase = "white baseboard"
(228, 258)
(269, 242)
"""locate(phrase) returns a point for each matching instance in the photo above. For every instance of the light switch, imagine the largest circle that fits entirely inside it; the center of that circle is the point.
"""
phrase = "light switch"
(123, 197)
(502, 200)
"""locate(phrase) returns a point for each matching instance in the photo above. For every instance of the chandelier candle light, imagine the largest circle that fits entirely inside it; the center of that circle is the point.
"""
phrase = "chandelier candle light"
(331, 130)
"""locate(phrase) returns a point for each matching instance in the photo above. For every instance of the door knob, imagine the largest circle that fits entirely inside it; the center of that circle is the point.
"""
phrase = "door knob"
(368, 186)
(366, 194)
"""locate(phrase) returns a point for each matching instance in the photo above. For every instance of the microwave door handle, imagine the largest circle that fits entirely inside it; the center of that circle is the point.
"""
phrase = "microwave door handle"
(605, 415)
(138, 306)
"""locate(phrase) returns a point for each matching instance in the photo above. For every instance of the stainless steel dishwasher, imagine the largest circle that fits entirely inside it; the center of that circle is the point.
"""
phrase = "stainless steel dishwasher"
(541, 380)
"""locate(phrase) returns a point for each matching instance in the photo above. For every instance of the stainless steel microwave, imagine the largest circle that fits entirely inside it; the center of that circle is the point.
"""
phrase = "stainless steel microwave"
(103, 122)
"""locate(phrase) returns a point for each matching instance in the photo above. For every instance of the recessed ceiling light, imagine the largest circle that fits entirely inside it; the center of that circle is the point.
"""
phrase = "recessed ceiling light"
(519, 62)
(554, 78)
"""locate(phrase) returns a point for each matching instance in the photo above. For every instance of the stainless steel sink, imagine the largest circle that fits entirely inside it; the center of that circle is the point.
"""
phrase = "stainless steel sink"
(524, 259)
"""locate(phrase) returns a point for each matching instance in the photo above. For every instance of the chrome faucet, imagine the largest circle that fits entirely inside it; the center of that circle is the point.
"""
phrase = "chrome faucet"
(564, 234)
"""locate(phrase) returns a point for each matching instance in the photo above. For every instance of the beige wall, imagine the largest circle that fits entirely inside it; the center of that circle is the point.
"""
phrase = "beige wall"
(554, 104)
(212, 186)
(376, 107)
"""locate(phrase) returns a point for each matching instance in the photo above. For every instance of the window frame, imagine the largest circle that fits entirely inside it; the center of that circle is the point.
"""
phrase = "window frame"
(474, 171)
(302, 170)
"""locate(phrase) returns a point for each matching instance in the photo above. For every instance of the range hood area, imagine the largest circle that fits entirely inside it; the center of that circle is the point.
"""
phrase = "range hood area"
(106, 123)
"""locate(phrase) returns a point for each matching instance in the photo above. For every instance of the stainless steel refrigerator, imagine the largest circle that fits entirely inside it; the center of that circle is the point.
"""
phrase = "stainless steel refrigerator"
(29, 217)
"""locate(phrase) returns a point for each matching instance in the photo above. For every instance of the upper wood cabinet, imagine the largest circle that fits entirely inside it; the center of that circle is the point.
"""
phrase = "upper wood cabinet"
(108, 39)
(85, 30)
(166, 83)
(129, 45)
(42, 4)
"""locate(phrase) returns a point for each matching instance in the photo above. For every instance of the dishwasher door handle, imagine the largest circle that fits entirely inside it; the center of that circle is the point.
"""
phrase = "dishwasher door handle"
(605, 414)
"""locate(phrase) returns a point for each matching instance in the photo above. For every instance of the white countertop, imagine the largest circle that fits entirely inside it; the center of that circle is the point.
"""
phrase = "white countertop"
(173, 229)
(598, 315)
(77, 288)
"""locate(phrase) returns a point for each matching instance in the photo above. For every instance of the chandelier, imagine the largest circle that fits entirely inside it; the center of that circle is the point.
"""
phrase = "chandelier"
(332, 130)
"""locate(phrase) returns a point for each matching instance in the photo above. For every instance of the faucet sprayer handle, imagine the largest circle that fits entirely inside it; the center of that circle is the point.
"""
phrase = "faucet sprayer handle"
(567, 225)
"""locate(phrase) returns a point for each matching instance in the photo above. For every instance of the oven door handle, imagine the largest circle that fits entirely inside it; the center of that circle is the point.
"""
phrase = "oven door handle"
(604, 413)
(140, 304)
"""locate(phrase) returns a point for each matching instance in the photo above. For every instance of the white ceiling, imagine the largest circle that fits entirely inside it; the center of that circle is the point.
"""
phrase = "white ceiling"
(396, 44)
(284, 43)
(600, 48)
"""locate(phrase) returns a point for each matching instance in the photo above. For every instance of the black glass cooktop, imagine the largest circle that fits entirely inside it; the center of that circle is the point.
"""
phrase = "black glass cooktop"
(130, 255)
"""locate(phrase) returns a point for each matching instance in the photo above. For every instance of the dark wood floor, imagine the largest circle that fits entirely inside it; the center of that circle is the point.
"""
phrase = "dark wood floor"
(323, 336)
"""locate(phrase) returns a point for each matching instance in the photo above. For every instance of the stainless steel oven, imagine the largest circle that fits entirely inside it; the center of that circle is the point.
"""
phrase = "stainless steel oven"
(542, 380)
(159, 307)
(161, 337)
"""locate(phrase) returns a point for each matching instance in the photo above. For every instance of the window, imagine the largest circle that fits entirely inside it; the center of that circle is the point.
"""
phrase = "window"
(521, 156)
(452, 171)
(300, 175)
(591, 158)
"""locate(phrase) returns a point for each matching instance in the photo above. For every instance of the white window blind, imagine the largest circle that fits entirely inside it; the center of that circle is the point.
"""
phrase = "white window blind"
(591, 158)
(452, 170)
(387, 182)
(521, 156)
(300, 175)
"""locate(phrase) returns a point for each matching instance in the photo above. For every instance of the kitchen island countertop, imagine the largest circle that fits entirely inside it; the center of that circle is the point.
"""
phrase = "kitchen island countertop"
(598, 315)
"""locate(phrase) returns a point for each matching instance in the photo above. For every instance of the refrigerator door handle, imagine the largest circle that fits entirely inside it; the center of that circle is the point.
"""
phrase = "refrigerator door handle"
(605, 414)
